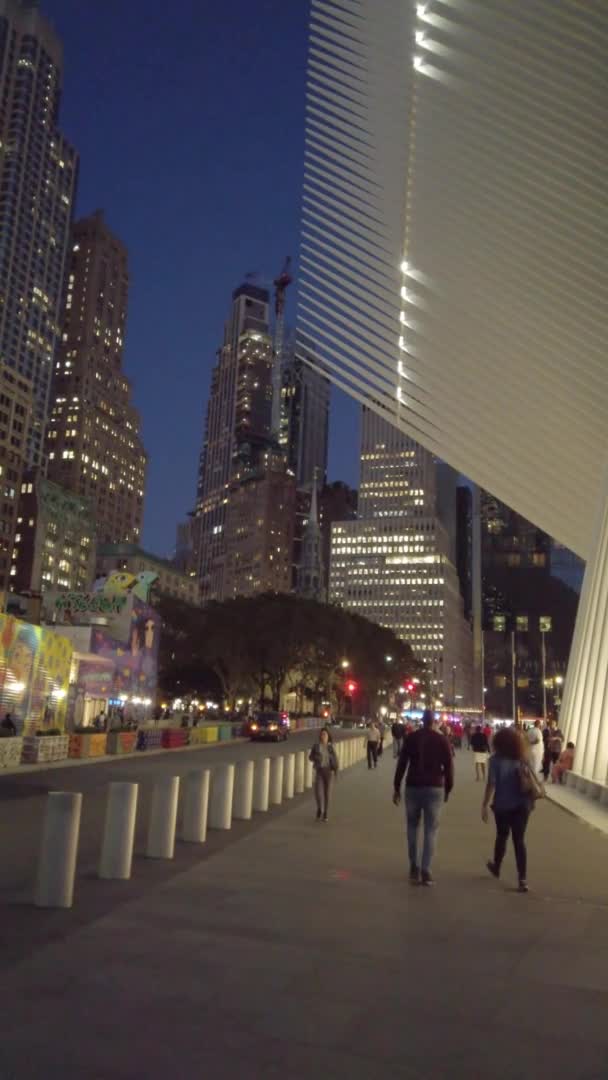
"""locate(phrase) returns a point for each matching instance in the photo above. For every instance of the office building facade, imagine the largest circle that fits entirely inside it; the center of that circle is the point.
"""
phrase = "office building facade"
(305, 398)
(94, 447)
(55, 540)
(16, 407)
(395, 564)
(259, 526)
(38, 170)
(239, 413)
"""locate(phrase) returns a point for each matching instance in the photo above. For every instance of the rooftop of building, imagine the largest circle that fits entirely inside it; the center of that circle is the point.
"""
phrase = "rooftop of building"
(254, 291)
(133, 551)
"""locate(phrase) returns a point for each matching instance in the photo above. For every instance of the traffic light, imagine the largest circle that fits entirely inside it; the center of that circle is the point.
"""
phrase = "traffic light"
(351, 687)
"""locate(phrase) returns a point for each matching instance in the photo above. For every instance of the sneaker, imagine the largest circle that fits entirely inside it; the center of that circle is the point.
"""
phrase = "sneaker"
(318, 815)
(493, 868)
(523, 886)
(325, 819)
(427, 878)
(414, 874)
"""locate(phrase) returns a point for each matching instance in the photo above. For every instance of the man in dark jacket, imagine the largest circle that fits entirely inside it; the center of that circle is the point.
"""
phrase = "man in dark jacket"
(427, 757)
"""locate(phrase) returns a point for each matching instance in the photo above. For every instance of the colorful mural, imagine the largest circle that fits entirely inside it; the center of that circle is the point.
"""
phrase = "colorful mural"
(34, 674)
(129, 668)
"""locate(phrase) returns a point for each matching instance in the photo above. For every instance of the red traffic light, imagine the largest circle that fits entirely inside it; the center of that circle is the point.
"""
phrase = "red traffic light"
(351, 687)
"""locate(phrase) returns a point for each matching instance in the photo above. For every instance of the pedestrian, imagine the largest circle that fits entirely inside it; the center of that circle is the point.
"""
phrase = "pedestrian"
(8, 725)
(325, 764)
(398, 733)
(468, 730)
(373, 742)
(481, 752)
(536, 748)
(427, 758)
(382, 730)
(510, 794)
(564, 764)
(556, 742)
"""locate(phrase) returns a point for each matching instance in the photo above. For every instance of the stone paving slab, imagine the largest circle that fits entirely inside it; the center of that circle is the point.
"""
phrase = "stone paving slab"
(300, 950)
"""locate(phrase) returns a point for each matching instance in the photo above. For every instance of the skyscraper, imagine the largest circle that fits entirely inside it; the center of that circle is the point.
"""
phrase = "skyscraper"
(310, 579)
(305, 395)
(93, 440)
(15, 419)
(259, 524)
(239, 417)
(396, 563)
(38, 171)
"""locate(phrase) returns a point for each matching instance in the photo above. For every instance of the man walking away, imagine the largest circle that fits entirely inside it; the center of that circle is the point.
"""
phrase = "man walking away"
(481, 752)
(398, 733)
(427, 757)
(373, 742)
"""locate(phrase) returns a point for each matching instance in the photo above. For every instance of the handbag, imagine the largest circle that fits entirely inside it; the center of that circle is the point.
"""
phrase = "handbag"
(529, 785)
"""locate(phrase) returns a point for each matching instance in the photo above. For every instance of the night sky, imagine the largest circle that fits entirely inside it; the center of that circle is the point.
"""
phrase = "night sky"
(189, 122)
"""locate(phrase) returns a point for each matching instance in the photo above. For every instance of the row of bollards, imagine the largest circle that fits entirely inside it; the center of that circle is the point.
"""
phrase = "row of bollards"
(234, 791)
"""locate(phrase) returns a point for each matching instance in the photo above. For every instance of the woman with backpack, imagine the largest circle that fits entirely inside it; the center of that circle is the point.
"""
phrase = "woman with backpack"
(511, 792)
(325, 764)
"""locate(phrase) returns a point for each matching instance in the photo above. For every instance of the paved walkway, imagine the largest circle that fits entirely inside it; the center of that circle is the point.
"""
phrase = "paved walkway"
(300, 951)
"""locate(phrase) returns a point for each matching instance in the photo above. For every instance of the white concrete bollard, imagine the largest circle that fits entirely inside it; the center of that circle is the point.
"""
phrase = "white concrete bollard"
(276, 780)
(339, 754)
(222, 792)
(299, 779)
(57, 865)
(163, 817)
(119, 832)
(308, 774)
(243, 791)
(289, 776)
(196, 806)
(261, 785)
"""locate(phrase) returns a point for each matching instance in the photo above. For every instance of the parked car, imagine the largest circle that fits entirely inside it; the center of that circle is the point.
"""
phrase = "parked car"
(269, 726)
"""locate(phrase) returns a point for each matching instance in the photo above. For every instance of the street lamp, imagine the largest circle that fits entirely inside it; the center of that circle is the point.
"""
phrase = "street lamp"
(388, 659)
(345, 664)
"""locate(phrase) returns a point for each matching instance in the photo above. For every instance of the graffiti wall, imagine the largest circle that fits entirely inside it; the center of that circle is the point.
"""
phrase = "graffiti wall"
(34, 674)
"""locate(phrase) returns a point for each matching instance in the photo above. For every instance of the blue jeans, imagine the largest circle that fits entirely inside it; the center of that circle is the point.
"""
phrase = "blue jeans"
(425, 801)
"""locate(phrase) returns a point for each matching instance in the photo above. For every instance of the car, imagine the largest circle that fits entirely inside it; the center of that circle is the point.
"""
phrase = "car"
(269, 726)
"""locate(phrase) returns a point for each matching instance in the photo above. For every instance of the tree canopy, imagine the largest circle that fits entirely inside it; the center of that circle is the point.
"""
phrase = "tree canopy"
(263, 646)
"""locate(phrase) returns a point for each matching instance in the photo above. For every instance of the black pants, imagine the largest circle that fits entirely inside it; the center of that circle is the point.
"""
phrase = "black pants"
(514, 822)
(322, 789)
(372, 754)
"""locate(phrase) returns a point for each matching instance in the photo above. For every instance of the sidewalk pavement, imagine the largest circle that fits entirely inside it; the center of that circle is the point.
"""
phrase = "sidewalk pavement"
(301, 950)
(583, 807)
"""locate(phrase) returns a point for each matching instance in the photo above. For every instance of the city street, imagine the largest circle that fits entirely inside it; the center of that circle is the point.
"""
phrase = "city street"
(22, 805)
(294, 943)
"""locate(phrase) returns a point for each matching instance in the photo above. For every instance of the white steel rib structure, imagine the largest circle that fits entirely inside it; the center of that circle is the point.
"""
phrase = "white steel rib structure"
(454, 264)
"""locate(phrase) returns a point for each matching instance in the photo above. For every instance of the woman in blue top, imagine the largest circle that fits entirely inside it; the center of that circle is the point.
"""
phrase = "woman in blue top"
(511, 804)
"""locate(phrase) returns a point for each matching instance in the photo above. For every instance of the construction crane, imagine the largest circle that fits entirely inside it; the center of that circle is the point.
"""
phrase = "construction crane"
(281, 284)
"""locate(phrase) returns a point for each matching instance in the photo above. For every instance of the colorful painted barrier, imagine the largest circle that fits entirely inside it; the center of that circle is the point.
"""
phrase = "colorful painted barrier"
(38, 748)
(174, 737)
(121, 742)
(86, 744)
(11, 749)
(150, 738)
